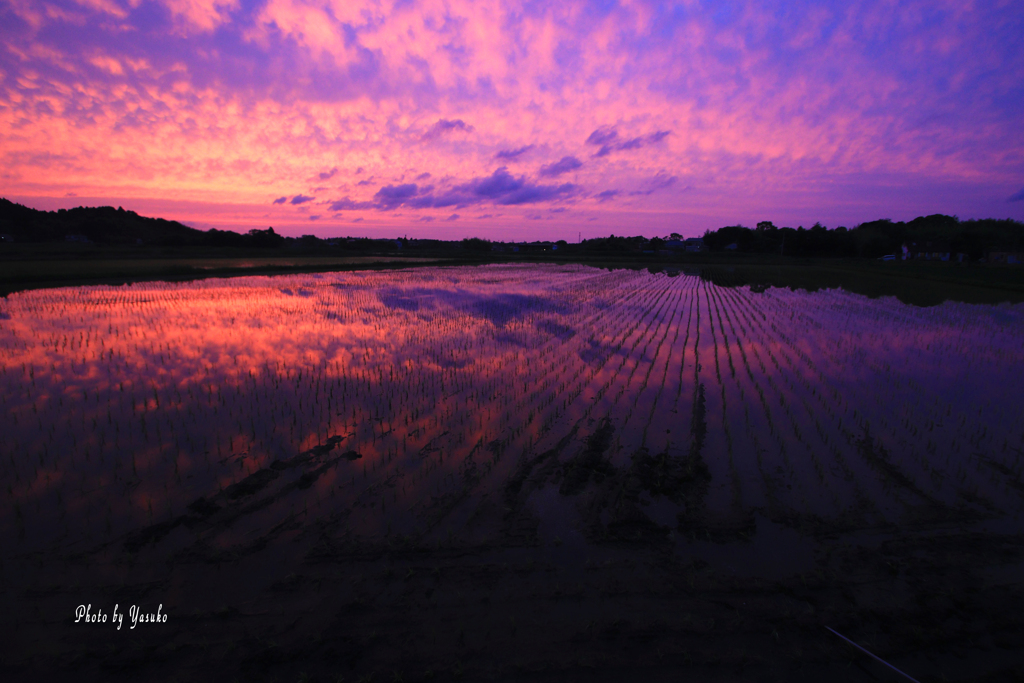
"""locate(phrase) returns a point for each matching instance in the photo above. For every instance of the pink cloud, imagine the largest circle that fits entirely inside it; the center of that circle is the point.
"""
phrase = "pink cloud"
(849, 111)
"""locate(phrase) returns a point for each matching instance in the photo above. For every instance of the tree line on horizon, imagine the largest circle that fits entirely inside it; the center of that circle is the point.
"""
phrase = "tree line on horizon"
(109, 226)
(973, 238)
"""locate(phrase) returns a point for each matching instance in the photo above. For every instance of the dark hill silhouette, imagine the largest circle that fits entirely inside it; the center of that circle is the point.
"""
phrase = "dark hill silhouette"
(105, 225)
(102, 225)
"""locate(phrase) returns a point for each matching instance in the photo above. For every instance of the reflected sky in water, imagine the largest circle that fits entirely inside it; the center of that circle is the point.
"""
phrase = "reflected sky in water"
(418, 403)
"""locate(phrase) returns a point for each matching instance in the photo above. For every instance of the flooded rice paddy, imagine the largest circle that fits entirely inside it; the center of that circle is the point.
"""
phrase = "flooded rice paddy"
(510, 473)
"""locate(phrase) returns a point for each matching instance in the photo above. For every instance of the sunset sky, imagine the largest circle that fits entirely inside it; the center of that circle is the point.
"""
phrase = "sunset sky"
(513, 120)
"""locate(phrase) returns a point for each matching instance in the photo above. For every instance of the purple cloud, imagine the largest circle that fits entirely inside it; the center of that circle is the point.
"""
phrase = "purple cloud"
(652, 185)
(445, 126)
(501, 187)
(327, 175)
(453, 217)
(300, 199)
(347, 204)
(512, 154)
(606, 137)
(393, 196)
(501, 182)
(1019, 197)
(608, 195)
(280, 200)
(603, 136)
(564, 165)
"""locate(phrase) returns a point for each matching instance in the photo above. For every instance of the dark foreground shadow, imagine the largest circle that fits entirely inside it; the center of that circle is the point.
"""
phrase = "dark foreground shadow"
(612, 596)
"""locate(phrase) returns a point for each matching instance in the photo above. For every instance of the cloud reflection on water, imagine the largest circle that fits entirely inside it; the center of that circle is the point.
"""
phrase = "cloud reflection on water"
(126, 405)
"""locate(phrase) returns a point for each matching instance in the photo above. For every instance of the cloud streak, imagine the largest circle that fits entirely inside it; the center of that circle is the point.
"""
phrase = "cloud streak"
(512, 154)
(564, 165)
(608, 141)
(444, 126)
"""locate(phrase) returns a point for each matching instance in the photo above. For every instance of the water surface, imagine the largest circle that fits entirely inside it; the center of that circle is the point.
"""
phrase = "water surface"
(573, 412)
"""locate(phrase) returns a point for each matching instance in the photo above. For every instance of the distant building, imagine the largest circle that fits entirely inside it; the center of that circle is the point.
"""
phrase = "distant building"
(531, 246)
(926, 251)
(692, 244)
(1007, 257)
(524, 247)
